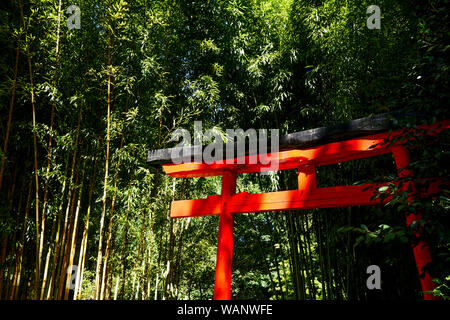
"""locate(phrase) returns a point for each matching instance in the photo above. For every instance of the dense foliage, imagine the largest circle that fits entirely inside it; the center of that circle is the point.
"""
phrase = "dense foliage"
(80, 108)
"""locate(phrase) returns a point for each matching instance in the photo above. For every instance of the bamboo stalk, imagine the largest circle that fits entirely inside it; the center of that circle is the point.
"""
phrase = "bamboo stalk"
(68, 227)
(30, 70)
(14, 237)
(49, 154)
(111, 219)
(51, 248)
(115, 288)
(16, 275)
(74, 231)
(4, 248)
(11, 109)
(57, 241)
(14, 250)
(79, 280)
(109, 270)
(105, 183)
(141, 249)
(122, 252)
(266, 264)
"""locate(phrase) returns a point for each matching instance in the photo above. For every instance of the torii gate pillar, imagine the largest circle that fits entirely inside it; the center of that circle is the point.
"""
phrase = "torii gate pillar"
(421, 250)
(222, 285)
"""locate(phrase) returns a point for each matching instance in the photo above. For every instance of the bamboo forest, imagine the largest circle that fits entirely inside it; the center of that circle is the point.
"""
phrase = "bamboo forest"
(90, 88)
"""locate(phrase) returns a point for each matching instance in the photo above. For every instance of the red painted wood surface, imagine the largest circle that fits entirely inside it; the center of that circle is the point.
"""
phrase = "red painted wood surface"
(244, 202)
(421, 249)
(222, 283)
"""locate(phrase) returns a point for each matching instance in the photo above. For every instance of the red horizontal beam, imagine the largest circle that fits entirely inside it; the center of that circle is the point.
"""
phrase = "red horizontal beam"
(326, 154)
(285, 200)
(330, 153)
(273, 201)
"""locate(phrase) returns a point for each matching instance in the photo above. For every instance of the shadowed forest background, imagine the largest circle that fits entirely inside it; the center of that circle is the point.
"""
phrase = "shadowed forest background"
(81, 107)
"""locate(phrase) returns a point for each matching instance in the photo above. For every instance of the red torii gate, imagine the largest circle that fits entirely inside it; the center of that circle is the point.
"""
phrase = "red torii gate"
(308, 196)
